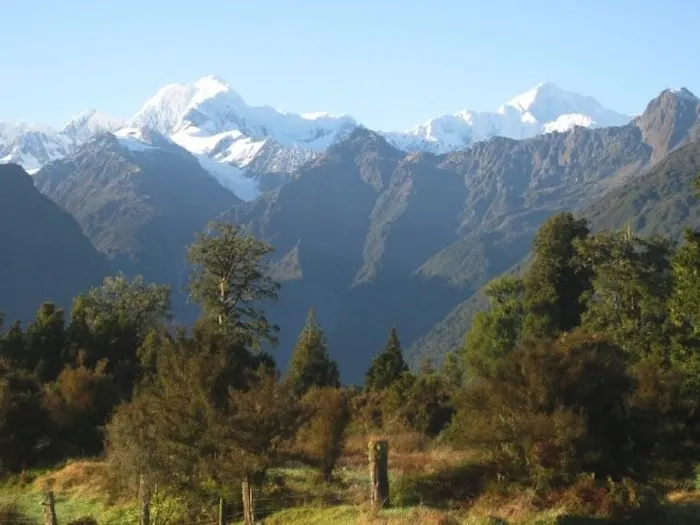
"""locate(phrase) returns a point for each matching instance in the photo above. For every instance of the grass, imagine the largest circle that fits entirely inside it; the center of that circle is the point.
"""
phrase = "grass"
(295, 495)
(79, 491)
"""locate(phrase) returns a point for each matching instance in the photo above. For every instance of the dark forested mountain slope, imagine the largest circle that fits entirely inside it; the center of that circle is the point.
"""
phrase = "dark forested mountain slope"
(575, 169)
(661, 201)
(43, 254)
(376, 238)
(139, 204)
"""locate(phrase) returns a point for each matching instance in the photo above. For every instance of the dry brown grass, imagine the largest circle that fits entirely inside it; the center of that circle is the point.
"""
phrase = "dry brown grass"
(408, 451)
(513, 508)
(684, 497)
(77, 478)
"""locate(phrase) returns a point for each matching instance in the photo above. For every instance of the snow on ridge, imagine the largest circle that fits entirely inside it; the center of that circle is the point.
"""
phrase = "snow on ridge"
(133, 139)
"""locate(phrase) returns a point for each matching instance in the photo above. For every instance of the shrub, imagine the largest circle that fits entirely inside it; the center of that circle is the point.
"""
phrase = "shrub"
(615, 500)
(322, 439)
(452, 486)
(85, 520)
(11, 514)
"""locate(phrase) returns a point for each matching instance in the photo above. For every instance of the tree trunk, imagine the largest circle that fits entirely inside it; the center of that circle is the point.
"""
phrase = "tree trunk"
(379, 473)
(144, 502)
(248, 503)
(49, 509)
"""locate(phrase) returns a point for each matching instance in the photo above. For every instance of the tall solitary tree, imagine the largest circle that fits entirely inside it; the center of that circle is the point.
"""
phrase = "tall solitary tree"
(229, 278)
(388, 366)
(311, 365)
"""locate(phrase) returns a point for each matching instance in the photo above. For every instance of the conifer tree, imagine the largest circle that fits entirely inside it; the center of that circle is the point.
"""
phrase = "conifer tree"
(311, 364)
(388, 366)
(555, 283)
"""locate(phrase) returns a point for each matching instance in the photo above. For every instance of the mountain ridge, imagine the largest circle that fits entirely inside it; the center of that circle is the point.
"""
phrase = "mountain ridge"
(208, 117)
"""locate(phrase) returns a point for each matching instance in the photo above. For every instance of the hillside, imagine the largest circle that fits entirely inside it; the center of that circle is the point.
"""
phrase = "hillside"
(662, 201)
(374, 237)
(140, 202)
(44, 256)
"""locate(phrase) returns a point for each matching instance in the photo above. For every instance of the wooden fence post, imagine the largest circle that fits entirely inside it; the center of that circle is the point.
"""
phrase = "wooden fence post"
(49, 506)
(379, 472)
(144, 501)
(222, 511)
(248, 502)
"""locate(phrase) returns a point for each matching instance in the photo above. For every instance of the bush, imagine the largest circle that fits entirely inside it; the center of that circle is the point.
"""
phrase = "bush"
(614, 500)
(85, 520)
(11, 514)
(542, 419)
(322, 439)
(457, 485)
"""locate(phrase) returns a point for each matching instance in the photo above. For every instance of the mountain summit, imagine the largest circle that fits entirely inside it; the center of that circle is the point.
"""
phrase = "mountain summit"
(210, 118)
(544, 108)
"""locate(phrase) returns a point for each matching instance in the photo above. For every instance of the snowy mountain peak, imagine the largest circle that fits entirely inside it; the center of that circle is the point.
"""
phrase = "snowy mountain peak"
(544, 108)
(87, 124)
(526, 100)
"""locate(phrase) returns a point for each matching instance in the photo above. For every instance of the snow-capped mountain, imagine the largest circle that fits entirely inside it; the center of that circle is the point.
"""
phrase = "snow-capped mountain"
(543, 109)
(233, 140)
(33, 146)
(209, 118)
(89, 124)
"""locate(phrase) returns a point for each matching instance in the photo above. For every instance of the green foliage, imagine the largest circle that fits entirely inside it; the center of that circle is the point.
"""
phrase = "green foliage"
(322, 438)
(554, 283)
(229, 277)
(311, 364)
(388, 366)
(631, 286)
(213, 415)
(462, 483)
(45, 340)
(23, 421)
(496, 332)
(79, 404)
(422, 403)
(550, 409)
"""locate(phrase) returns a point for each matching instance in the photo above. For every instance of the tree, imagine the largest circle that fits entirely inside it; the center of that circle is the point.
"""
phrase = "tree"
(230, 277)
(496, 332)
(23, 422)
(554, 282)
(112, 321)
(388, 366)
(79, 404)
(136, 304)
(551, 409)
(632, 283)
(45, 342)
(311, 364)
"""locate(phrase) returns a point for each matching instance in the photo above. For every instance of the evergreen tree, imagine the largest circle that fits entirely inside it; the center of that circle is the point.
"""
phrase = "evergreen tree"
(496, 332)
(388, 366)
(311, 364)
(45, 341)
(632, 283)
(230, 277)
(554, 282)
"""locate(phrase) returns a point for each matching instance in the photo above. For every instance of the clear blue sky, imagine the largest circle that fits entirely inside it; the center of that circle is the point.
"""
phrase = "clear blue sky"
(389, 63)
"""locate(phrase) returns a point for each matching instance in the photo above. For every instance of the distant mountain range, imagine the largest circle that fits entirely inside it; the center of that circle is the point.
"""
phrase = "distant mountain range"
(209, 119)
(371, 235)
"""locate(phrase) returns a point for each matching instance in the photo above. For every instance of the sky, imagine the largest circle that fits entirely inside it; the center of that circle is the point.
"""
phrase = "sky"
(389, 63)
